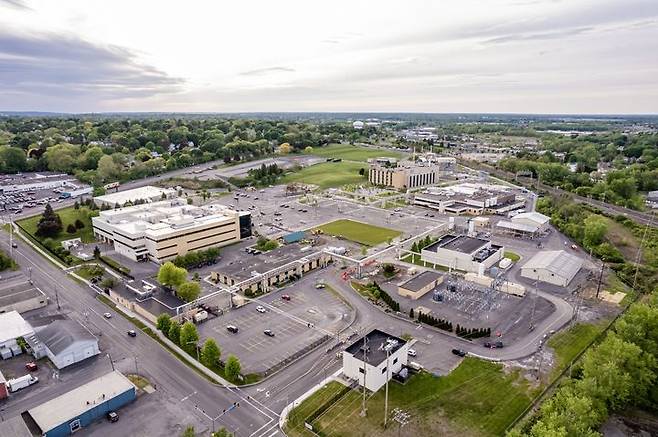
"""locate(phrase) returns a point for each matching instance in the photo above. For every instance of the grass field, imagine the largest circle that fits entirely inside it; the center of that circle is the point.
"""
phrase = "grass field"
(513, 256)
(567, 344)
(328, 174)
(296, 418)
(477, 399)
(353, 153)
(69, 216)
(361, 233)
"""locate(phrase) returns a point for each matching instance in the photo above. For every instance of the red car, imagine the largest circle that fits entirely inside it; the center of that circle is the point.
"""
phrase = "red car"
(31, 366)
(285, 297)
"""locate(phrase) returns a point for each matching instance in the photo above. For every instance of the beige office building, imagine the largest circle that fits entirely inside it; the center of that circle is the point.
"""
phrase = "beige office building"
(160, 231)
(407, 176)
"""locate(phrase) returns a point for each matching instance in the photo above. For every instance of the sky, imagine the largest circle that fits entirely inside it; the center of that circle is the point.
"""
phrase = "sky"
(500, 56)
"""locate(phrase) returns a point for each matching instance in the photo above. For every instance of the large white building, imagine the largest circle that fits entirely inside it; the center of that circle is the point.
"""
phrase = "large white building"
(374, 361)
(12, 326)
(162, 230)
(555, 267)
(66, 342)
(145, 194)
(461, 252)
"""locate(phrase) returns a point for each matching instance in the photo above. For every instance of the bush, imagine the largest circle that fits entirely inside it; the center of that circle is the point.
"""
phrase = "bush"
(79, 224)
(71, 229)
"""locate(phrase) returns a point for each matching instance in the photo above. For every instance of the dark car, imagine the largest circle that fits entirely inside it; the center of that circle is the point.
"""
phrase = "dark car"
(494, 345)
(112, 416)
(285, 297)
(269, 333)
(459, 352)
(132, 333)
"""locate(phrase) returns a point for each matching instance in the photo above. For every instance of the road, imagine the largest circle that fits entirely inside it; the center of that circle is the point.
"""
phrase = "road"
(640, 217)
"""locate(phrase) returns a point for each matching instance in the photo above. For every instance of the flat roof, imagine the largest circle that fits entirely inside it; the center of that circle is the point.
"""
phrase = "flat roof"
(75, 402)
(418, 282)
(146, 192)
(523, 227)
(457, 243)
(375, 351)
(12, 326)
(14, 427)
(243, 267)
(533, 216)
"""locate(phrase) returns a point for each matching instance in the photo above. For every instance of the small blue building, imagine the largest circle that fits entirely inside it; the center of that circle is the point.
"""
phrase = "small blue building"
(80, 407)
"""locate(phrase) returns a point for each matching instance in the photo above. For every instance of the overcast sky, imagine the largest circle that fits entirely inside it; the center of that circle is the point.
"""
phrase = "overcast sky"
(537, 56)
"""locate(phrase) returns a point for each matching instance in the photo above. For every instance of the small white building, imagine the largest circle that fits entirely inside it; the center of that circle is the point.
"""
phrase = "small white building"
(374, 359)
(461, 252)
(534, 219)
(67, 342)
(12, 326)
(553, 266)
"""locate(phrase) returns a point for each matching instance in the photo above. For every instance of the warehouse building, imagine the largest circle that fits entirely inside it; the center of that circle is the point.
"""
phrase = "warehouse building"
(161, 231)
(420, 285)
(12, 326)
(18, 294)
(469, 199)
(80, 407)
(374, 359)
(554, 267)
(145, 194)
(264, 271)
(66, 342)
(461, 252)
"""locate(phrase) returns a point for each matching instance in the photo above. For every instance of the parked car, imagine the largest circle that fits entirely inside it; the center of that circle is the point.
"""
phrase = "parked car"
(459, 352)
(285, 297)
(112, 416)
(132, 333)
(411, 353)
(232, 328)
(260, 309)
(494, 345)
(107, 315)
(269, 333)
(318, 286)
(31, 366)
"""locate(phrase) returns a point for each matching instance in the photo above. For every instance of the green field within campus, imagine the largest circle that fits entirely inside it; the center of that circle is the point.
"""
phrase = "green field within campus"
(358, 232)
(477, 399)
(328, 174)
(68, 216)
(353, 153)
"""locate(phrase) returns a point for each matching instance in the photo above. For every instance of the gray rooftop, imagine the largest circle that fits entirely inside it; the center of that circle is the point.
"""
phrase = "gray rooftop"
(457, 243)
(14, 427)
(374, 354)
(61, 334)
(558, 262)
(418, 282)
(242, 268)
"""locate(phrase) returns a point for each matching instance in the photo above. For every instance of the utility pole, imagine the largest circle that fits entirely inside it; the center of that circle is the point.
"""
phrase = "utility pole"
(598, 287)
(57, 298)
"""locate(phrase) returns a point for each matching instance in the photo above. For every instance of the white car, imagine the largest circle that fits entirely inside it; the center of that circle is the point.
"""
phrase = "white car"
(260, 309)
(411, 353)
(107, 315)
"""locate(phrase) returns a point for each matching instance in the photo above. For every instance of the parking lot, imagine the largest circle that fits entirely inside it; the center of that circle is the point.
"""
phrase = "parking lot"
(30, 191)
(287, 319)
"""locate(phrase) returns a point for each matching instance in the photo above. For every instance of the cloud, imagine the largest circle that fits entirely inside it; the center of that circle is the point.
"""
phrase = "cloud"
(17, 4)
(267, 70)
(538, 36)
(65, 67)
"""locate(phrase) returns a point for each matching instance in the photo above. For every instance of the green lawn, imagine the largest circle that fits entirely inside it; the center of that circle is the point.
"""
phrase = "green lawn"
(478, 398)
(328, 174)
(296, 418)
(511, 255)
(569, 343)
(362, 233)
(69, 216)
(353, 153)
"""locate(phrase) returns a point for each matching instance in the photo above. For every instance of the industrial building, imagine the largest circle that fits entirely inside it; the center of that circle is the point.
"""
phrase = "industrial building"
(374, 359)
(18, 294)
(460, 252)
(525, 224)
(469, 199)
(419, 285)
(80, 407)
(145, 194)
(162, 230)
(409, 175)
(12, 326)
(553, 266)
(65, 342)
(262, 272)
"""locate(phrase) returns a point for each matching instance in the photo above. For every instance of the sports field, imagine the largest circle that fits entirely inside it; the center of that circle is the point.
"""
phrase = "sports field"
(362, 233)
(353, 153)
(329, 174)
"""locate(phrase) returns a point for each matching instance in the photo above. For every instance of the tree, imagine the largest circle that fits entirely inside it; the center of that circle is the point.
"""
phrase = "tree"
(189, 291)
(79, 224)
(163, 323)
(174, 332)
(189, 432)
(232, 367)
(594, 232)
(411, 313)
(188, 337)
(107, 168)
(12, 160)
(640, 327)
(97, 252)
(308, 149)
(171, 276)
(222, 432)
(570, 410)
(71, 228)
(285, 148)
(210, 353)
(362, 171)
(50, 224)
